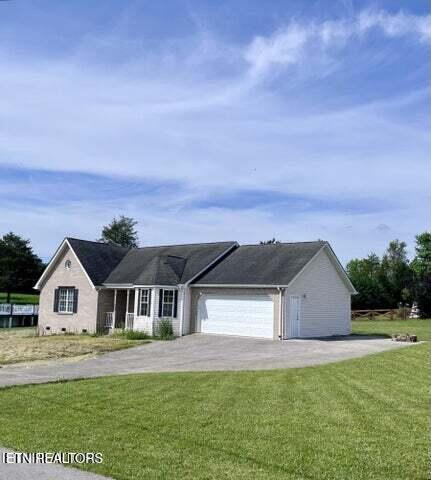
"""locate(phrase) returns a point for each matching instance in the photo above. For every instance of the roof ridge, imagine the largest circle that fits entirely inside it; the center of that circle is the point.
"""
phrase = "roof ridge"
(96, 242)
(152, 246)
(281, 243)
(186, 244)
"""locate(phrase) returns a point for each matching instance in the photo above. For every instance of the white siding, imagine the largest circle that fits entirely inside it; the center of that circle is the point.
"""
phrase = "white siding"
(145, 324)
(325, 310)
(150, 324)
(186, 311)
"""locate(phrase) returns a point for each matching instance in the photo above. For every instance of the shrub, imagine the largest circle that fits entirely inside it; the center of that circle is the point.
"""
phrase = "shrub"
(166, 331)
(132, 335)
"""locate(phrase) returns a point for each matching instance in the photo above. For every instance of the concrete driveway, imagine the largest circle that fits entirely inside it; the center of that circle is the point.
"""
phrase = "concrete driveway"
(199, 353)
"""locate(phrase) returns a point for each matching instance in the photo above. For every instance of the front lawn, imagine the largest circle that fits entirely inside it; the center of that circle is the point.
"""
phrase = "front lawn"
(22, 345)
(360, 419)
(421, 328)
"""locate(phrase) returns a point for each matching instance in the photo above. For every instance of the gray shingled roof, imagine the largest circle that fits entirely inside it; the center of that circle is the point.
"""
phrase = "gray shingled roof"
(166, 265)
(98, 259)
(275, 264)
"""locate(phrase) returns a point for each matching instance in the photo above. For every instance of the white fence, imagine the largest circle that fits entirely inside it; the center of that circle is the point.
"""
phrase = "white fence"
(12, 309)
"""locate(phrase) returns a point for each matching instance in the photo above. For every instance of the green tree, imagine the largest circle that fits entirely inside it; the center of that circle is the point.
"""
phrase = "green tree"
(396, 275)
(421, 266)
(20, 267)
(121, 231)
(365, 274)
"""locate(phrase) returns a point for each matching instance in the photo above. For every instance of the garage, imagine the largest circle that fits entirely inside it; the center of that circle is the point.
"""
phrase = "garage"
(243, 315)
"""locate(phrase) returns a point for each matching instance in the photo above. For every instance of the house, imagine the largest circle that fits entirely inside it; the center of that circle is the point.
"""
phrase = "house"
(276, 291)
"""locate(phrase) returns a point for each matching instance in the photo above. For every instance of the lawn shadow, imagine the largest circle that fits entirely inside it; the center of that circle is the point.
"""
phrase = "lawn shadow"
(354, 336)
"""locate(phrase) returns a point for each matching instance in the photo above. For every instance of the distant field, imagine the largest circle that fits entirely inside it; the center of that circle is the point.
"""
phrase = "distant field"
(20, 298)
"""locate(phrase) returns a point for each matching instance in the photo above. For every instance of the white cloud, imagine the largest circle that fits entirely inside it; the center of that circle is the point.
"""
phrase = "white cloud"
(284, 48)
(396, 25)
(298, 41)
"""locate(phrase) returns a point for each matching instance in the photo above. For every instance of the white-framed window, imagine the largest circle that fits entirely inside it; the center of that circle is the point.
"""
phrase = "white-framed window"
(167, 304)
(145, 302)
(67, 264)
(65, 299)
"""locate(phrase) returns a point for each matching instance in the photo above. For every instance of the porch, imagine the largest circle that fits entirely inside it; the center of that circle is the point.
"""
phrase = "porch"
(117, 309)
(139, 308)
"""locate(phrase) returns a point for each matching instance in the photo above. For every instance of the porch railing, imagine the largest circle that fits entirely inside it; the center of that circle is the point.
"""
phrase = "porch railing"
(129, 321)
(109, 320)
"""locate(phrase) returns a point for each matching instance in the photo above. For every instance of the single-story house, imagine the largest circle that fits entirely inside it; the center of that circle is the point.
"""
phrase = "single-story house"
(276, 291)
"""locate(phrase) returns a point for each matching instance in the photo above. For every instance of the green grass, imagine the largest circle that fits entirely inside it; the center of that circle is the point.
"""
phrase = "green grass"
(361, 419)
(131, 335)
(421, 328)
(21, 298)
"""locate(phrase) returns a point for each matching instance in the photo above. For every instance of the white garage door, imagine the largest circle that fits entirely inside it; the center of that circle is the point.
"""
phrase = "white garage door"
(245, 315)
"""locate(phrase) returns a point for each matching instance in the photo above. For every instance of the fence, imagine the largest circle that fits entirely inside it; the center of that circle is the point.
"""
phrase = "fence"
(18, 315)
(385, 313)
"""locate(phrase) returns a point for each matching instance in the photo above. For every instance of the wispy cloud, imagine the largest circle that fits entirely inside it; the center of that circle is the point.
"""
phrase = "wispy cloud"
(298, 41)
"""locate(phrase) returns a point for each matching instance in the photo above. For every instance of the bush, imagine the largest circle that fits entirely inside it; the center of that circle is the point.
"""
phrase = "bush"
(166, 331)
(132, 335)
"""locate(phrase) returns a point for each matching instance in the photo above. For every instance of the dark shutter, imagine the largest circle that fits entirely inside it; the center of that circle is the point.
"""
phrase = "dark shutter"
(56, 299)
(160, 301)
(175, 303)
(149, 303)
(75, 300)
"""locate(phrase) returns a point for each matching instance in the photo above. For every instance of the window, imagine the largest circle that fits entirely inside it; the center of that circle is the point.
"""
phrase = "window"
(167, 303)
(65, 299)
(67, 264)
(145, 302)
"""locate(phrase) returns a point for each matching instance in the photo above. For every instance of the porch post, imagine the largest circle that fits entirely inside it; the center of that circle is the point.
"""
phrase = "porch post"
(135, 306)
(126, 319)
(114, 313)
(127, 301)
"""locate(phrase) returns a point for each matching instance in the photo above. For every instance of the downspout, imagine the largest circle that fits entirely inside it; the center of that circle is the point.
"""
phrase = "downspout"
(280, 313)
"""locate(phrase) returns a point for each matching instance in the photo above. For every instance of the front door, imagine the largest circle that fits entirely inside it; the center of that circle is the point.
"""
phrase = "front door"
(295, 316)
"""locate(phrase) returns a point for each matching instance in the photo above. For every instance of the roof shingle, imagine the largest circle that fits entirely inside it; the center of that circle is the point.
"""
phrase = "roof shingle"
(98, 259)
(166, 265)
(275, 264)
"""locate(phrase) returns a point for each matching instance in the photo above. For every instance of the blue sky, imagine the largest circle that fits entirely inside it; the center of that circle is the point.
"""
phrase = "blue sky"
(216, 120)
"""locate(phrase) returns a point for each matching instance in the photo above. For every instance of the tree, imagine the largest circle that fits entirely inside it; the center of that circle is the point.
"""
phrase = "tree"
(421, 266)
(121, 232)
(365, 274)
(20, 267)
(273, 241)
(396, 274)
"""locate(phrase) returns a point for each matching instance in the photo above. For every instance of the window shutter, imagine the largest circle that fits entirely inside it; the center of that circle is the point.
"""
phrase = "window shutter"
(149, 303)
(160, 301)
(75, 300)
(175, 303)
(56, 299)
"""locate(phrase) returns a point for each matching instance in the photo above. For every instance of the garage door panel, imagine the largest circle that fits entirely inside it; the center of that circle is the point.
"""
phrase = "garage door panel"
(244, 315)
